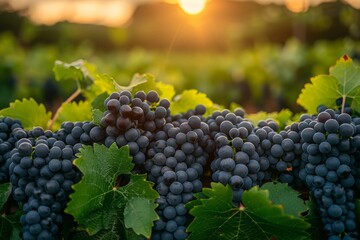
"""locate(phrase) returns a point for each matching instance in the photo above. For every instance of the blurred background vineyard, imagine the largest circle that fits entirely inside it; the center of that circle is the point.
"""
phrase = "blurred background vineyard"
(257, 54)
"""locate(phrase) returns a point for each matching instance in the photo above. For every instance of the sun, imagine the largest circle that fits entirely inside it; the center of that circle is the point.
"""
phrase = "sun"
(192, 7)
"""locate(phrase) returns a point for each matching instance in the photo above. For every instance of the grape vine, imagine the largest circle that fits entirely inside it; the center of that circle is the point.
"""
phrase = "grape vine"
(151, 164)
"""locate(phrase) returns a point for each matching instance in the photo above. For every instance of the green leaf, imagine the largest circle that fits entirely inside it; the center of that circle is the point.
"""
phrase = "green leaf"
(103, 83)
(218, 218)
(9, 224)
(80, 71)
(74, 112)
(146, 82)
(29, 112)
(282, 118)
(139, 82)
(343, 82)
(98, 199)
(197, 201)
(98, 102)
(323, 89)
(282, 194)
(348, 75)
(97, 116)
(139, 215)
(313, 217)
(95, 193)
(188, 100)
(98, 108)
(5, 191)
(165, 90)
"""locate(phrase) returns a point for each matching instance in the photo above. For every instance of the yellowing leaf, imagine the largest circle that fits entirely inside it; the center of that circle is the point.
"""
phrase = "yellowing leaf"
(165, 90)
(188, 100)
(74, 112)
(29, 112)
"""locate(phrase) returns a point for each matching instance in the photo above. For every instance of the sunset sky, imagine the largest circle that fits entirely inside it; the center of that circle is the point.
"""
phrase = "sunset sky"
(117, 13)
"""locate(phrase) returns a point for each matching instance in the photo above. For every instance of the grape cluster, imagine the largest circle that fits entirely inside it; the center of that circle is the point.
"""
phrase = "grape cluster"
(329, 141)
(143, 111)
(175, 163)
(7, 143)
(133, 121)
(42, 173)
(246, 156)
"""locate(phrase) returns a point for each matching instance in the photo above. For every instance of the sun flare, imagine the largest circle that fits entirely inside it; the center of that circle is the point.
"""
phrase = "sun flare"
(192, 7)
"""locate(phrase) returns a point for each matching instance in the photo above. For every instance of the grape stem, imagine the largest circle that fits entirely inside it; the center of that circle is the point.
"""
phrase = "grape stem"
(68, 100)
(343, 104)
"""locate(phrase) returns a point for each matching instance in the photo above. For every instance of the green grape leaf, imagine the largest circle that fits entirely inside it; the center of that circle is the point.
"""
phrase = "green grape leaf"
(97, 116)
(313, 217)
(282, 118)
(103, 83)
(139, 82)
(343, 81)
(165, 90)
(99, 200)
(146, 82)
(348, 75)
(98, 102)
(98, 107)
(323, 89)
(9, 224)
(29, 112)
(80, 71)
(139, 214)
(218, 218)
(187, 100)
(197, 201)
(282, 194)
(5, 190)
(74, 112)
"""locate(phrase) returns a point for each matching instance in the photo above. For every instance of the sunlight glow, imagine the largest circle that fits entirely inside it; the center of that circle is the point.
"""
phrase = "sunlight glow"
(297, 6)
(192, 7)
(110, 13)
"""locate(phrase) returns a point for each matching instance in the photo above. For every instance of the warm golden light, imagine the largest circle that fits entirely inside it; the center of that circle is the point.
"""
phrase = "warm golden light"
(192, 7)
(297, 6)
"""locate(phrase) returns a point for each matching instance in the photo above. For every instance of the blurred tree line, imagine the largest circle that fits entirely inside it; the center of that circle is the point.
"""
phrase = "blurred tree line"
(258, 56)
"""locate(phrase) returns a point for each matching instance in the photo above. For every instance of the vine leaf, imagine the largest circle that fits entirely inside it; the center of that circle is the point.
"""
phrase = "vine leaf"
(259, 218)
(138, 214)
(80, 71)
(103, 83)
(281, 193)
(313, 217)
(146, 82)
(342, 82)
(98, 107)
(348, 76)
(187, 100)
(98, 199)
(29, 112)
(323, 89)
(5, 190)
(166, 90)
(74, 111)
(282, 118)
(9, 224)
